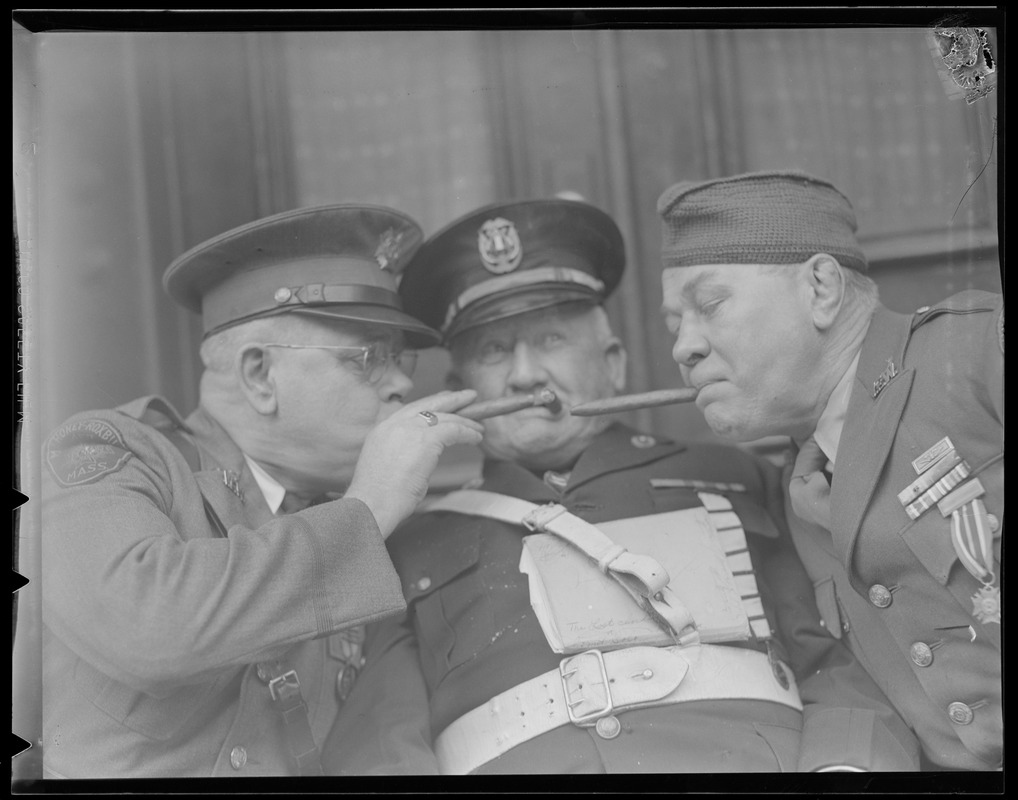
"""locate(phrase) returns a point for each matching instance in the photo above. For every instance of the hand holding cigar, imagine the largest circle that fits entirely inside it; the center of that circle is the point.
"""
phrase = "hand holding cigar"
(508, 405)
(629, 402)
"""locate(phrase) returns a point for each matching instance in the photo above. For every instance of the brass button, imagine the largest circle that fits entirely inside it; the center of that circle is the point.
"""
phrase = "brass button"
(282, 294)
(643, 441)
(922, 309)
(921, 654)
(424, 584)
(262, 673)
(608, 727)
(238, 757)
(880, 596)
(960, 713)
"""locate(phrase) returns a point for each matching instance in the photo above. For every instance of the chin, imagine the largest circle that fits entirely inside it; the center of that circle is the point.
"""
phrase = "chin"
(727, 428)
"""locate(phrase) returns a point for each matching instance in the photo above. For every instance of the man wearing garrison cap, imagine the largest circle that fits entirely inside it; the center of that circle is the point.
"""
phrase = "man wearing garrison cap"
(897, 485)
(475, 677)
(207, 579)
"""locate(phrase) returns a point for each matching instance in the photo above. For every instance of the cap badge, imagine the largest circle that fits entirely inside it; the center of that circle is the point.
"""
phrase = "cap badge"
(500, 247)
(388, 248)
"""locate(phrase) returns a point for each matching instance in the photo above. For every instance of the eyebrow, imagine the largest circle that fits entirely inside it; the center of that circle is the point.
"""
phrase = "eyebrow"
(691, 287)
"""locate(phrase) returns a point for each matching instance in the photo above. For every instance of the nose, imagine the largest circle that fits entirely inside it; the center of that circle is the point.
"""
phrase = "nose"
(527, 371)
(395, 384)
(690, 344)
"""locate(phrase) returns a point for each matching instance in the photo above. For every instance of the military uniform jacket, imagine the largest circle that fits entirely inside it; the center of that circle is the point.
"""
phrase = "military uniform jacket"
(892, 587)
(153, 624)
(470, 633)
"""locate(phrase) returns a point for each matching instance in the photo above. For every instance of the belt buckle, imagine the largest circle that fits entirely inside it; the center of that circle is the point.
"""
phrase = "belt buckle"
(285, 685)
(537, 519)
(589, 670)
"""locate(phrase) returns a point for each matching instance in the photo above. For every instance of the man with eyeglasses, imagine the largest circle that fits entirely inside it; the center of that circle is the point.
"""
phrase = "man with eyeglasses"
(206, 580)
(474, 679)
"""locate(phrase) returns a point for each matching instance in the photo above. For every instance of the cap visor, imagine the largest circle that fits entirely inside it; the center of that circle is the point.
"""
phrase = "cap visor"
(512, 303)
(418, 335)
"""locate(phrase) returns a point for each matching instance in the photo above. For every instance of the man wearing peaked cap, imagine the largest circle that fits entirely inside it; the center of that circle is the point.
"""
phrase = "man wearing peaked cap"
(896, 490)
(207, 579)
(470, 680)
(505, 259)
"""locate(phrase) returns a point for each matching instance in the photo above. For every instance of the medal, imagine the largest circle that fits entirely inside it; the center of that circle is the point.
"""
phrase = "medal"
(972, 537)
(986, 604)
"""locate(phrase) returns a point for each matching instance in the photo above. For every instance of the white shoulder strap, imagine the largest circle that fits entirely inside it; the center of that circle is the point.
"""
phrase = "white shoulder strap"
(642, 576)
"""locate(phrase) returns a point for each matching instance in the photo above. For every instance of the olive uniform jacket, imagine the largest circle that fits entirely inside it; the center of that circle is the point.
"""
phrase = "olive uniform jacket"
(892, 587)
(153, 625)
(470, 633)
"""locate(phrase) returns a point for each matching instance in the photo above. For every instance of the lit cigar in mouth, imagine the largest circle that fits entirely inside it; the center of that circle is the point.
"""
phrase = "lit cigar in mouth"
(507, 405)
(629, 402)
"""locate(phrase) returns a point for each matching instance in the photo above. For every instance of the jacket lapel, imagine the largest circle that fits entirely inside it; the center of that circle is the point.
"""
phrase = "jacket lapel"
(218, 453)
(870, 425)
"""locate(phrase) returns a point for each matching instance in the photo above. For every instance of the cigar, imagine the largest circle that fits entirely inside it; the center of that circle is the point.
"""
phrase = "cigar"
(629, 402)
(507, 405)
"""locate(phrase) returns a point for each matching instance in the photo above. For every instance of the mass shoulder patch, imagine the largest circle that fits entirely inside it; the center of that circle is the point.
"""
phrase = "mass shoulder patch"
(84, 451)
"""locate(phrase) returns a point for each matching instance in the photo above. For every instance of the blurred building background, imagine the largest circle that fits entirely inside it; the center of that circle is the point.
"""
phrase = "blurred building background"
(136, 146)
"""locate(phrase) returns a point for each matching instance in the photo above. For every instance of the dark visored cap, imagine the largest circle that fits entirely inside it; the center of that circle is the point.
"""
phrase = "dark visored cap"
(510, 258)
(338, 261)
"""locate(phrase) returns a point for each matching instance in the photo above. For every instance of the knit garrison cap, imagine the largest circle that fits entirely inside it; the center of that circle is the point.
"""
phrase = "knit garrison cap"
(337, 261)
(781, 217)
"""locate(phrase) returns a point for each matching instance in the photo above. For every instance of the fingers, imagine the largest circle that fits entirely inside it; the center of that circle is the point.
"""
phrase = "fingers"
(453, 429)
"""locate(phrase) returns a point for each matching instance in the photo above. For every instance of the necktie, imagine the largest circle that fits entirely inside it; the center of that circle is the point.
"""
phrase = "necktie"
(809, 490)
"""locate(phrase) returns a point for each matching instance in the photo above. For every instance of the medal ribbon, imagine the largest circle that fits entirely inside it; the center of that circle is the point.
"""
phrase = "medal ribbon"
(973, 540)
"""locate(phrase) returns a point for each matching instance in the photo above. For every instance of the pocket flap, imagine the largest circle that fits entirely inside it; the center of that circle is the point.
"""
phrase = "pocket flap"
(432, 554)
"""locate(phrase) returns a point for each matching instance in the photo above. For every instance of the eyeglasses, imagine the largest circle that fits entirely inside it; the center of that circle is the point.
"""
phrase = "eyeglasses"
(370, 361)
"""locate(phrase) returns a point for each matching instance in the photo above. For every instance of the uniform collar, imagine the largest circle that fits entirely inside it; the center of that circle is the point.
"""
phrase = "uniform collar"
(272, 490)
(225, 454)
(617, 448)
(832, 421)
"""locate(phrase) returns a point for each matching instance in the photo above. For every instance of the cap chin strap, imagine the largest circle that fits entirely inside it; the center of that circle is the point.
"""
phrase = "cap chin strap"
(529, 277)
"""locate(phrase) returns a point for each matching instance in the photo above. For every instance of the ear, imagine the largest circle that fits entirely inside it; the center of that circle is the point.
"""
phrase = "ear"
(453, 381)
(254, 369)
(826, 281)
(615, 356)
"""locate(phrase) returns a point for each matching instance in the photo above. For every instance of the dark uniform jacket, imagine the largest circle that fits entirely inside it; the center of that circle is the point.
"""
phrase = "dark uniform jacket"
(470, 633)
(949, 361)
(153, 625)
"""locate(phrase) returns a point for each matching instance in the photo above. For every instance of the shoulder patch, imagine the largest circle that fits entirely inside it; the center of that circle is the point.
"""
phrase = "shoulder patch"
(83, 451)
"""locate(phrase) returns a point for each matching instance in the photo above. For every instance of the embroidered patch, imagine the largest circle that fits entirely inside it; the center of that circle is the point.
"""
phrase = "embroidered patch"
(82, 452)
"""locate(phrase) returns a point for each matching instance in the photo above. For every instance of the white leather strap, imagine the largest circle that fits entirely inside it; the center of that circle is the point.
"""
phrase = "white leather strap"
(640, 575)
(590, 686)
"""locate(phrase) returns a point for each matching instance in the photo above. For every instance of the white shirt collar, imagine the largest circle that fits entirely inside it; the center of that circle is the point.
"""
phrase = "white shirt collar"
(832, 421)
(272, 489)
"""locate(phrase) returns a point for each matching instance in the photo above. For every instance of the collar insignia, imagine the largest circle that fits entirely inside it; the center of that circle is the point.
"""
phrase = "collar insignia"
(884, 378)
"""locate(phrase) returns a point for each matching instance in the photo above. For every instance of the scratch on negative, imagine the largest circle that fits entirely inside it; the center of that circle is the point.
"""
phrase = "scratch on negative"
(993, 138)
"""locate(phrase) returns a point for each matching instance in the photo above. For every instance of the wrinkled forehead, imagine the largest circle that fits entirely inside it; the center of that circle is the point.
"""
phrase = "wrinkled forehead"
(681, 285)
